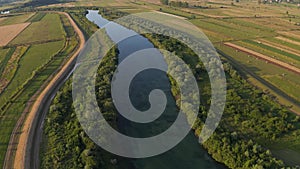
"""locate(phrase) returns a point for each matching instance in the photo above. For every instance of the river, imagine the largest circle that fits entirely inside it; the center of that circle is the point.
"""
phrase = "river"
(188, 154)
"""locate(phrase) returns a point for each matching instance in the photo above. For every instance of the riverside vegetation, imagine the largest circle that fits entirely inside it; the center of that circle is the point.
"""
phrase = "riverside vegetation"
(253, 126)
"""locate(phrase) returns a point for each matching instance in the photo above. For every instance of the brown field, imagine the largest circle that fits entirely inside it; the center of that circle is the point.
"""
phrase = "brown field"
(264, 57)
(9, 32)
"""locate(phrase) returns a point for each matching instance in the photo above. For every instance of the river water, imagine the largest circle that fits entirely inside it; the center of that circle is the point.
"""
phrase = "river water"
(188, 154)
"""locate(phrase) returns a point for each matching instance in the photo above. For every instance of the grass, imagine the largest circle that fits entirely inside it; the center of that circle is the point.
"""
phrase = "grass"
(288, 148)
(227, 31)
(271, 52)
(21, 18)
(35, 57)
(11, 67)
(5, 55)
(49, 28)
(275, 50)
(272, 73)
(281, 42)
(37, 17)
(286, 84)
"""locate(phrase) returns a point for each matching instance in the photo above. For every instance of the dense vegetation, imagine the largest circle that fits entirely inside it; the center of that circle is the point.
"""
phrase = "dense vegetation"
(175, 3)
(67, 145)
(250, 118)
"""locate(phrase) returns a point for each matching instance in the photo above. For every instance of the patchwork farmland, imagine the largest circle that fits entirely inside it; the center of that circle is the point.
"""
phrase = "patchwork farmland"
(34, 45)
(9, 32)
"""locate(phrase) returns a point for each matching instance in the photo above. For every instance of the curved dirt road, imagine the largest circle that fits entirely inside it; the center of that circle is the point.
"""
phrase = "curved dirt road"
(27, 152)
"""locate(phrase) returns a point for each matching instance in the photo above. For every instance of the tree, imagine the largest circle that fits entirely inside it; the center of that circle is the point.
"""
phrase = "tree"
(165, 2)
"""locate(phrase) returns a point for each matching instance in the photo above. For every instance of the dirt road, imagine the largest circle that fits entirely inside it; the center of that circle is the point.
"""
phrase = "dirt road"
(264, 57)
(29, 139)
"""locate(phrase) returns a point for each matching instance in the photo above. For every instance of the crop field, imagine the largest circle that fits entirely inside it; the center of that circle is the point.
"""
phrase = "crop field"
(287, 40)
(28, 61)
(273, 52)
(20, 18)
(3, 53)
(37, 17)
(35, 57)
(11, 67)
(9, 32)
(49, 28)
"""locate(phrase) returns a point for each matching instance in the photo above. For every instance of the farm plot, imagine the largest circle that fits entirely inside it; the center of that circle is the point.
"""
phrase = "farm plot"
(9, 32)
(35, 57)
(280, 42)
(37, 17)
(3, 53)
(292, 34)
(48, 29)
(288, 40)
(11, 67)
(244, 30)
(271, 52)
(279, 77)
(279, 46)
(20, 18)
(264, 57)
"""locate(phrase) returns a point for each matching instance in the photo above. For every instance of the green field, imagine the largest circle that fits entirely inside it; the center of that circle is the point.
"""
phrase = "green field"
(20, 18)
(11, 67)
(37, 17)
(34, 58)
(49, 28)
(3, 53)
(271, 51)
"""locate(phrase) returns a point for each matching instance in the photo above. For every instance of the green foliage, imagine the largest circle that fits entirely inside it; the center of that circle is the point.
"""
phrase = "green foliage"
(67, 145)
(179, 4)
(165, 2)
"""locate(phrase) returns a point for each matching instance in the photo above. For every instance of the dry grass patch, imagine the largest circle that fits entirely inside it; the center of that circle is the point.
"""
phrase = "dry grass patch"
(9, 32)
